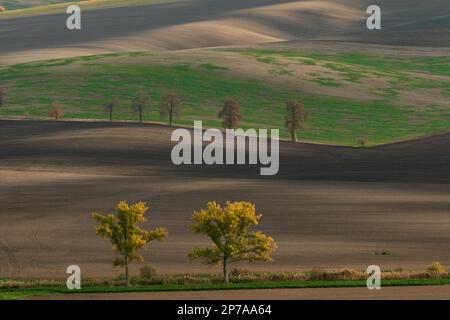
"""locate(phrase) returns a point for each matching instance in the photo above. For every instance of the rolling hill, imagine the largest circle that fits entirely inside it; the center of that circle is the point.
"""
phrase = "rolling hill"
(386, 85)
(330, 206)
(208, 23)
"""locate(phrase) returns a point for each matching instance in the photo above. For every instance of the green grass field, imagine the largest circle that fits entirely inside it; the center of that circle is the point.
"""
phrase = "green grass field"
(83, 85)
(434, 274)
(9, 294)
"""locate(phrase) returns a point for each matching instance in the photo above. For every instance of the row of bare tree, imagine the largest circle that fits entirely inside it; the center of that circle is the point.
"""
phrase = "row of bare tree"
(230, 114)
(295, 118)
(170, 105)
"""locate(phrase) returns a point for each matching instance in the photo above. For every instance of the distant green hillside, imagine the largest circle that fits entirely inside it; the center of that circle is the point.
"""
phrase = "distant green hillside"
(391, 98)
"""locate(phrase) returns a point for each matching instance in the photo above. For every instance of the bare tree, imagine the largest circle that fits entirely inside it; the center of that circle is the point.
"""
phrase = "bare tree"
(2, 96)
(170, 104)
(139, 104)
(230, 114)
(295, 118)
(55, 111)
(362, 141)
(111, 106)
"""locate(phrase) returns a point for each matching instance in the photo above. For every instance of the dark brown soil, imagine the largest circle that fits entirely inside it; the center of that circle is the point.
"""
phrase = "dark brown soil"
(328, 207)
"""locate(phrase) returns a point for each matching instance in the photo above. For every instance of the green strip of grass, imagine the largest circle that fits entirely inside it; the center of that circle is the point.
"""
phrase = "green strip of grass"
(23, 293)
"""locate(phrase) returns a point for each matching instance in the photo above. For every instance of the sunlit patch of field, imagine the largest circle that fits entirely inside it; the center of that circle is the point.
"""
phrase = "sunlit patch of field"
(17, 9)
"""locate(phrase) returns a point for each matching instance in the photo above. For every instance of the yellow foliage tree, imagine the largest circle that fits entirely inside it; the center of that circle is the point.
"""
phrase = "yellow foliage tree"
(228, 229)
(125, 234)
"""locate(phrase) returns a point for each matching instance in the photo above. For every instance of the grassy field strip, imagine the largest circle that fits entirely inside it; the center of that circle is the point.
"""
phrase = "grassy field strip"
(84, 5)
(83, 85)
(22, 293)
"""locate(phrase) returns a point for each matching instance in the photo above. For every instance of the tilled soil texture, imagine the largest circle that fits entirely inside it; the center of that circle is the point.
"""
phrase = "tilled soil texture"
(328, 207)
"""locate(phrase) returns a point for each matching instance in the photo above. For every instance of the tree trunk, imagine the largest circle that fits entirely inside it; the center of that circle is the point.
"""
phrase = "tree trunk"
(140, 115)
(171, 117)
(127, 279)
(293, 136)
(225, 270)
(110, 115)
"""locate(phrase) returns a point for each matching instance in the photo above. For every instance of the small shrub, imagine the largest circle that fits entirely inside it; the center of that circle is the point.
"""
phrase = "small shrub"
(147, 272)
(349, 274)
(165, 280)
(55, 111)
(381, 253)
(362, 142)
(436, 268)
(285, 276)
(120, 277)
(317, 274)
(247, 277)
(190, 279)
(344, 274)
(309, 62)
(237, 272)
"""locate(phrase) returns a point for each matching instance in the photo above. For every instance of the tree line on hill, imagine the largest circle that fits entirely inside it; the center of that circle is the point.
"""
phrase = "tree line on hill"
(170, 106)
(230, 113)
